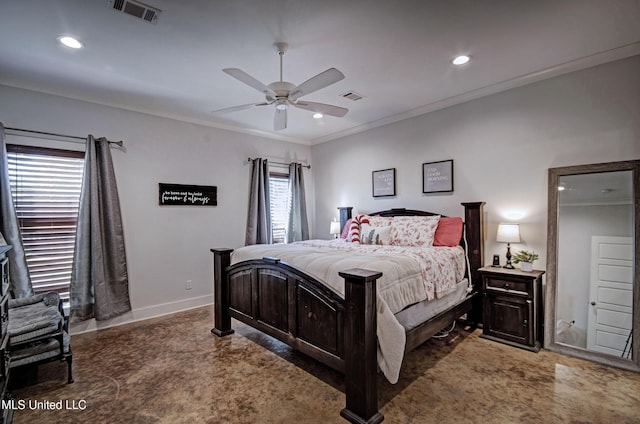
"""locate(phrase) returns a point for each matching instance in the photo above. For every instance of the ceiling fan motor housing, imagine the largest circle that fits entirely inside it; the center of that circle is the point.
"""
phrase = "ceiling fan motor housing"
(281, 88)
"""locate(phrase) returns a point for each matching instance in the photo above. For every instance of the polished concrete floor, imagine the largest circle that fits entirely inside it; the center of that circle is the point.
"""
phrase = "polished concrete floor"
(173, 370)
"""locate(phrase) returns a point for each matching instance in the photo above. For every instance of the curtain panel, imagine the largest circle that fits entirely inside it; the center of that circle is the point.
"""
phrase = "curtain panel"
(298, 228)
(99, 280)
(259, 214)
(18, 271)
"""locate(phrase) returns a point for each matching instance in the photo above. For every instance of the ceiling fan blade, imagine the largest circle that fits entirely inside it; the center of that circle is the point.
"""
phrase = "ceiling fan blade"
(323, 108)
(280, 120)
(322, 80)
(242, 76)
(237, 108)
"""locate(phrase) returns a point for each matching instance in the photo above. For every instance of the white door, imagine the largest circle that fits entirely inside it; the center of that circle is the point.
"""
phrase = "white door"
(610, 295)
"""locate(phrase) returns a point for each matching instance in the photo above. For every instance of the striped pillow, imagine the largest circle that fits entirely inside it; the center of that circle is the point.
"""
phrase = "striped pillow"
(354, 231)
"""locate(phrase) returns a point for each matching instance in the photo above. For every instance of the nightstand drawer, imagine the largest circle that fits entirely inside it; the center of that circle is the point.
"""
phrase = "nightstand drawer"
(511, 285)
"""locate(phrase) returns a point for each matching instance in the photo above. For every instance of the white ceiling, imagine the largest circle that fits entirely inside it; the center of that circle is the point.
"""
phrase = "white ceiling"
(395, 53)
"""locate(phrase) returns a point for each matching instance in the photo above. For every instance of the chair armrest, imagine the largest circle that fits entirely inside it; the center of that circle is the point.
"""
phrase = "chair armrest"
(49, 299)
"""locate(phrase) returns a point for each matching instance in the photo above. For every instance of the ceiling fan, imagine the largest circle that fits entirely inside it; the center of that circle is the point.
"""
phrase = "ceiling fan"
(284, 94)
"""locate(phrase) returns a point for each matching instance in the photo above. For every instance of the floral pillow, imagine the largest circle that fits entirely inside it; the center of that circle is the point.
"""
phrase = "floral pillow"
(380, 221)
(374, 235)
(414, 230)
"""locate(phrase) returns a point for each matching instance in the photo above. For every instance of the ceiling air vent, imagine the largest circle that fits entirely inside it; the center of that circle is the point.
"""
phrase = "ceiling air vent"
(352, 95)
(136, 9)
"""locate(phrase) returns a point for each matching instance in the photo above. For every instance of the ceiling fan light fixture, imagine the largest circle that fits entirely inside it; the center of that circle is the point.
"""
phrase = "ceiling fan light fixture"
(70, 42)
(281, 105)
(461, 60)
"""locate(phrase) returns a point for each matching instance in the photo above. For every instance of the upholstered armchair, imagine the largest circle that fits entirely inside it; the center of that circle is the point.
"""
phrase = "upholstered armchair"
(38, 331)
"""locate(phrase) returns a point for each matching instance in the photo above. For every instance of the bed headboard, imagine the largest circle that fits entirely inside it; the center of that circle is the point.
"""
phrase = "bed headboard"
(346, 213)
(404, 212)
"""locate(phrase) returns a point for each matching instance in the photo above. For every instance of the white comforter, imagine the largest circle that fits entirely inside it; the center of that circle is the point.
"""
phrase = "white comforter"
(409, 275)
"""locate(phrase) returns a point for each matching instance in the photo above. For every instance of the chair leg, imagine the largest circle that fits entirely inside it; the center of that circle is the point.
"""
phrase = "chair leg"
(69, 360)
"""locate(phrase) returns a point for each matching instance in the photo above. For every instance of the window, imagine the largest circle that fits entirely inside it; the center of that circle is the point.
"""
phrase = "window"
(279, 197)
(45, 184)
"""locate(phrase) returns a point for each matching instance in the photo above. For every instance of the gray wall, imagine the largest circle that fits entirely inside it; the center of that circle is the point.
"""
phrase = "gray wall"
(502, 146)
(168, 245)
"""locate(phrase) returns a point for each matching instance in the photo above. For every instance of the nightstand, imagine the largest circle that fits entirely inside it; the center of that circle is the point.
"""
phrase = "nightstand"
(512, 307)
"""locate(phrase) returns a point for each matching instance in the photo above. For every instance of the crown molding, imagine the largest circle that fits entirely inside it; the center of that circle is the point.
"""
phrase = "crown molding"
(618, 53)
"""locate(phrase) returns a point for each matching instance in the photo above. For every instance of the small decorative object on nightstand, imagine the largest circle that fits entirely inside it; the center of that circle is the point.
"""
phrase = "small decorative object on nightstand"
(512, 307)
(525, 259)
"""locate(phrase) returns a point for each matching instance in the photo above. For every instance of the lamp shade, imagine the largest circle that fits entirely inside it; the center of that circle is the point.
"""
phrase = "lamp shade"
(335, 227)
(508, 233)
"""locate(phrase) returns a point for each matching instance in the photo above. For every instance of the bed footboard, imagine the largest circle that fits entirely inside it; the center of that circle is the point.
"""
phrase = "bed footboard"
(284, 302)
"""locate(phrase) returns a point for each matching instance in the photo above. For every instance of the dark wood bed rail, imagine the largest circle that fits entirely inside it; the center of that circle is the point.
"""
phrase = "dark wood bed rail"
(284, 302)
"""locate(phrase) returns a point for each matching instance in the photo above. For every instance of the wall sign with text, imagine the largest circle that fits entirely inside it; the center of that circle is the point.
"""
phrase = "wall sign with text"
(437, 177)
(187, 195)
(384, 182)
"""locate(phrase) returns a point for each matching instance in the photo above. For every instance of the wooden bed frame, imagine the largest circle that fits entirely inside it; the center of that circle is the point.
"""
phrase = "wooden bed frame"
(295, 308)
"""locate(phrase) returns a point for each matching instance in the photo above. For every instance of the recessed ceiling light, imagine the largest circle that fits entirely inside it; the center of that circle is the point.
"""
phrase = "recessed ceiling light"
(70, 42)
(460, 60)
(318, 115)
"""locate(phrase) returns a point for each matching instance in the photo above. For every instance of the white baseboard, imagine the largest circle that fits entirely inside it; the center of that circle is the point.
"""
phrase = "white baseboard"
(141, 314)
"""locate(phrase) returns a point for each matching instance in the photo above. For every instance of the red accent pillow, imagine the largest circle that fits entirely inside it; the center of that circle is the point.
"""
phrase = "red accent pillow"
(449, 232)
(345, 230)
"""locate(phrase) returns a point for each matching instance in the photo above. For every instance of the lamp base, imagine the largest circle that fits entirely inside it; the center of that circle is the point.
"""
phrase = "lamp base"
(508, 265)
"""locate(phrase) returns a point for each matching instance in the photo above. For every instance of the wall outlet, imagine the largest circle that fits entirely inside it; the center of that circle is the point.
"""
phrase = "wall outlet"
(187, 285)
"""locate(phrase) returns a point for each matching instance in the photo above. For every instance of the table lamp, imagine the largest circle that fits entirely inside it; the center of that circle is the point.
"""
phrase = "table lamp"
(335, 228)
(508, 233)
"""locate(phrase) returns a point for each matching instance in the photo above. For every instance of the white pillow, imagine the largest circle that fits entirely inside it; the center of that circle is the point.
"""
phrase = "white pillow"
(374, 235)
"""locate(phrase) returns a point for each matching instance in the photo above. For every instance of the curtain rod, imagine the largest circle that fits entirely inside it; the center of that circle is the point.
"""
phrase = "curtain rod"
(118, 143)
(281, 163)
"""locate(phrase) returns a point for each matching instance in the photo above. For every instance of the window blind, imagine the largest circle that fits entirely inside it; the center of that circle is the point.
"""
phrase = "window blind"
(279, 198)
(45, 185)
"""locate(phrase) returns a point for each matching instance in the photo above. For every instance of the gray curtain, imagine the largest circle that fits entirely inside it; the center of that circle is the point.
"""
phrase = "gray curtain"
(298, 227)
(99, 280)
(259, 215)
(18, 271)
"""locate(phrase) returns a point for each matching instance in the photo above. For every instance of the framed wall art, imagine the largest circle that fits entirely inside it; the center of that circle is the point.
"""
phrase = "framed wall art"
(437, 177)
(384, 182)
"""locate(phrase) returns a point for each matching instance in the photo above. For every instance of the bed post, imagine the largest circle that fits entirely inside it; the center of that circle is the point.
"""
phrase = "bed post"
(474, 223)
(345, 215)
(360, 346)
(221, 318)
